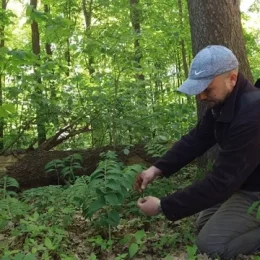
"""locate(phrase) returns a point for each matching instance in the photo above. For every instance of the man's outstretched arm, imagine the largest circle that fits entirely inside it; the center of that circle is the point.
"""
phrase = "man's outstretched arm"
(189, 147)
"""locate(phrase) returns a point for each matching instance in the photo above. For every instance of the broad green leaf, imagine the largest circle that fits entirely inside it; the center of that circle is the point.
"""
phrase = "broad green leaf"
(48, 243)
(115, 177)
(192, 250)
(96, 205)
(113, 185)
(96, 174)
(19, 256)
(133, 249)
(93, 257)
(113, 218)
(139, 235)
(114, 171)
(120, 198)
(30, 257)
(112, 199)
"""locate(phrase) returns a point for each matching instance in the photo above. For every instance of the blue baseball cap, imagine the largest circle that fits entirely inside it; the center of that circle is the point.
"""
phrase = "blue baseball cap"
(208, 63)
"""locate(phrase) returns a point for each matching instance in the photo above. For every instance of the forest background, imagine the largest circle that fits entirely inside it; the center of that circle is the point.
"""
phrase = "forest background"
(98, 75)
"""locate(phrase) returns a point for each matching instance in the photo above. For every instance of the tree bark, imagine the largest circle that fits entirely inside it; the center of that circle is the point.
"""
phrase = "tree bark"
(182, 43)
(36, 50)
(135, 17)
(217, 22)
(88, 16)
(2, 77)
(47, 44)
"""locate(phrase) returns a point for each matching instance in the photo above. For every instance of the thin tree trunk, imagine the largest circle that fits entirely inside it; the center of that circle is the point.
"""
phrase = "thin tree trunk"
(49, 53)
(135, 17)
(47, 44)
(36, 50)
(67, 57)
(88, 17)
(217, 22)
(2, 77)
(182, 43)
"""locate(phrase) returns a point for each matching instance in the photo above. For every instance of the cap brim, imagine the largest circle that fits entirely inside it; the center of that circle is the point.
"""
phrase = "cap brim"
(194, 86)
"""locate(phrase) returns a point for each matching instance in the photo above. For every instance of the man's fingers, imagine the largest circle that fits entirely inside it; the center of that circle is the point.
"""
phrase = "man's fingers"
(138, 183)
(141, 201)
(144, 184)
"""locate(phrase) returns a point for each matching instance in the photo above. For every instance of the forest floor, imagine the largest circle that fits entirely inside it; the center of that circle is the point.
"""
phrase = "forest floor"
(50, 223)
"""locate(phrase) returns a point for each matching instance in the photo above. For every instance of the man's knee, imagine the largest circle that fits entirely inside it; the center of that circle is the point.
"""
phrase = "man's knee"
(210, 246)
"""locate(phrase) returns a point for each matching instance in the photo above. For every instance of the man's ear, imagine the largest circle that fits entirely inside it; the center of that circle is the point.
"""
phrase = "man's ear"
(233, 78)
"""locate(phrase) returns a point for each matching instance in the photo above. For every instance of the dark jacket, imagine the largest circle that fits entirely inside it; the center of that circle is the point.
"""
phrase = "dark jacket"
(237, 165)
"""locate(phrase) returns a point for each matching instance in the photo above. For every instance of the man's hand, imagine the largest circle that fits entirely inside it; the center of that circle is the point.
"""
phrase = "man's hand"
(149, 205)
(146, 177)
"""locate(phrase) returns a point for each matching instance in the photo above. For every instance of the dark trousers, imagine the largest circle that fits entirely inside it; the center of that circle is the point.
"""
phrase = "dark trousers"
(227, 230)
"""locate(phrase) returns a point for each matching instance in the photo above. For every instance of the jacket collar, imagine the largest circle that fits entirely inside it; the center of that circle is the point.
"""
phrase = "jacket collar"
(227, 111)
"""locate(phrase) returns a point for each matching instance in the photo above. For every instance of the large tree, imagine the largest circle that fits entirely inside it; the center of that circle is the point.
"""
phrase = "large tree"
(218, 22)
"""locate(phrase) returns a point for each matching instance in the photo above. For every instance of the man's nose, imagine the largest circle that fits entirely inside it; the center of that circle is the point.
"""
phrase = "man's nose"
(202, 96)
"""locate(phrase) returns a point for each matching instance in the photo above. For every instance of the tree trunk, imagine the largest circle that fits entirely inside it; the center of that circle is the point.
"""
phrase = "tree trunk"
(88, 16)
(2, 77)
(182, 43)
(47, 44)
(135, 17)
(217, 22)
(36, 50)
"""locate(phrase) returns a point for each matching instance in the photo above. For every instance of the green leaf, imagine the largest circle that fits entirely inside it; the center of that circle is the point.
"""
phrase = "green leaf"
(113, 218)
(113, 177)
(10, 108)
(48, 243)
(96, 205)
(133, 249)
(96, 174)
(113, 185)
(112, 199)
(29, 9)
(168, 257)
(19, 256)
(3, 112)
(93, 257)
(30, 257)
(192, 250)
(139, 235)
(253, 207)
(3, 223)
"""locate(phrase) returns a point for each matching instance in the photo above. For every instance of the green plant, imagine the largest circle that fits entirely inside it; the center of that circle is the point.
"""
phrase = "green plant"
(192, 252)
(104, 244)
(16, 255)
(156, 149)
(109, 185)
(7, 183)
(121, 256)
(39, 238)
(255, 208)
(11, 210)
(134, 241)
(53, 203)
(167, 241)
(65, 168)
